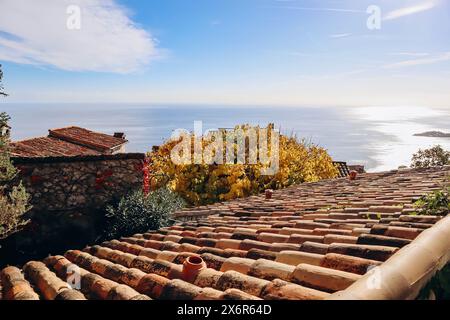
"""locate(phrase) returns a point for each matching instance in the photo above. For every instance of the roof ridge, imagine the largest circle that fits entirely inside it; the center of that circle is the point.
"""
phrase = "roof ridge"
(70, 140)
(402, 276)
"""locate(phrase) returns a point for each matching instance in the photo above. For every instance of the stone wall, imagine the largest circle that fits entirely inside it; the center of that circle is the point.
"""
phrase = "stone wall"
(79, 183)
(69, 196)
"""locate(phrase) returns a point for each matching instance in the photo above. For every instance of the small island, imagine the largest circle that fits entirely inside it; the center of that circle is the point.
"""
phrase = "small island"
(433, 134)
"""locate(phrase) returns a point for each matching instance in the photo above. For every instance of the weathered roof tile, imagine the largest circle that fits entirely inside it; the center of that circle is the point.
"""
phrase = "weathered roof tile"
(70, 141)
(306, 242)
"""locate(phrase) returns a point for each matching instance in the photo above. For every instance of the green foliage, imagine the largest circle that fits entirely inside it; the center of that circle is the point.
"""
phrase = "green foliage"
(13, 206)
(13, 198)
(7, 170)
(137, 212)
(433, 157)
(434, 204)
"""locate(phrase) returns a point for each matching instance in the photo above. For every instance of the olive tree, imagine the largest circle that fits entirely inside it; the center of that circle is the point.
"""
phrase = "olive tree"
(432, 157)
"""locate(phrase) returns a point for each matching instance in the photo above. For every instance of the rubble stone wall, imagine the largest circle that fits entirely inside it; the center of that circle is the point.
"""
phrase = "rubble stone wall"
(78, 183)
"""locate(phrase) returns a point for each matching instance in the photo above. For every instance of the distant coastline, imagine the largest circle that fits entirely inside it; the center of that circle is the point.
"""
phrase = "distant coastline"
(433, 134)
(366, 143)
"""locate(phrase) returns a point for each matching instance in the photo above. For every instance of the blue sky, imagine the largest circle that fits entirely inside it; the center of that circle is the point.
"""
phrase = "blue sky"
(284, 52)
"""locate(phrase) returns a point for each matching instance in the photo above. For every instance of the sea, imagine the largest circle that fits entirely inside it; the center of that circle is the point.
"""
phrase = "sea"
(380, 138)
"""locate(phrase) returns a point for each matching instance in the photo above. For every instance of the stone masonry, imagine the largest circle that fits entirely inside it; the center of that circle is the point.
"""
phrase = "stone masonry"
(78, 183)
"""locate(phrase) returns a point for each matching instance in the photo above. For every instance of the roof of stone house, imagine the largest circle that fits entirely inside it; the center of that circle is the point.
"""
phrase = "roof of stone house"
(310, 241)
(70, 141)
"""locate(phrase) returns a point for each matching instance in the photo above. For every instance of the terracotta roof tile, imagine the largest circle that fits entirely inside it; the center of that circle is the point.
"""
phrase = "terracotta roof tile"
(331, 235)
(48, 146)
(88, 138)
(70, 141)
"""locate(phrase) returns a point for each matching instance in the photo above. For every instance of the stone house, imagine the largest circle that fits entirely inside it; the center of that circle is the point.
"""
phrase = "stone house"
(74, 168)
(71, 174)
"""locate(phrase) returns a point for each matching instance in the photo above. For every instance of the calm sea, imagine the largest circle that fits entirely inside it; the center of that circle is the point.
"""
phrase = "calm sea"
(380, 138)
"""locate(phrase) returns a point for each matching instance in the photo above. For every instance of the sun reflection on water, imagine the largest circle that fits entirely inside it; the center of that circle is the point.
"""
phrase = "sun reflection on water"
(400, 124)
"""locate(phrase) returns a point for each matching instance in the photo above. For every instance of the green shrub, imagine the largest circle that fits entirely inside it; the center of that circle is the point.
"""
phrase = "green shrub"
(433, 157)
(13, 196)
(138, 213)
(434, 204)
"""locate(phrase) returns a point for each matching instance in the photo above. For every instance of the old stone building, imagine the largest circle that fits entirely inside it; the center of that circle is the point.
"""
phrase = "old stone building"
(71, 174)
(76, 169)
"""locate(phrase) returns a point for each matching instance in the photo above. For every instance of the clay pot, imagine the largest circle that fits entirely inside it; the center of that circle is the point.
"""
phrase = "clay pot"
(269, 193)
(352, 175)
(191, 268)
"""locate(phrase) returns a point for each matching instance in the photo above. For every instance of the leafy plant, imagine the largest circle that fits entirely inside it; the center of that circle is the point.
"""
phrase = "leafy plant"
(139, 212)
(436, 203)
(432, 157)
(299, 162)
(13, 197)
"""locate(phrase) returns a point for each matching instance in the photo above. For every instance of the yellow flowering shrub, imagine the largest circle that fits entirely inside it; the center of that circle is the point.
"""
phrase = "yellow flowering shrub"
(204, 184)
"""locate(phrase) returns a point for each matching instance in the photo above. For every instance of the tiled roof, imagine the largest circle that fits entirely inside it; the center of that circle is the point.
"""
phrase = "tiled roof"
(70, 141)
(307, 242)
(94, 140)
(48, 147)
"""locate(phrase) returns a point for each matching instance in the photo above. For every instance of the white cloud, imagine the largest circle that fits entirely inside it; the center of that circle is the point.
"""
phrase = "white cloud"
(417, 62)
(320, 9)
(338, 75)
(340, 35)
(36, 33)
(411, 54)
(406, 11)
(215, 22)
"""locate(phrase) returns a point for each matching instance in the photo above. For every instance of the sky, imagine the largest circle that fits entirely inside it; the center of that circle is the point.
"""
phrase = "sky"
(241, 52)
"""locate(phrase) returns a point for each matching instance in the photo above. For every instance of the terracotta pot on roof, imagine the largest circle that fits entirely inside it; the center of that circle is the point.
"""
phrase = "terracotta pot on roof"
(352, 175)
(191, 268)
